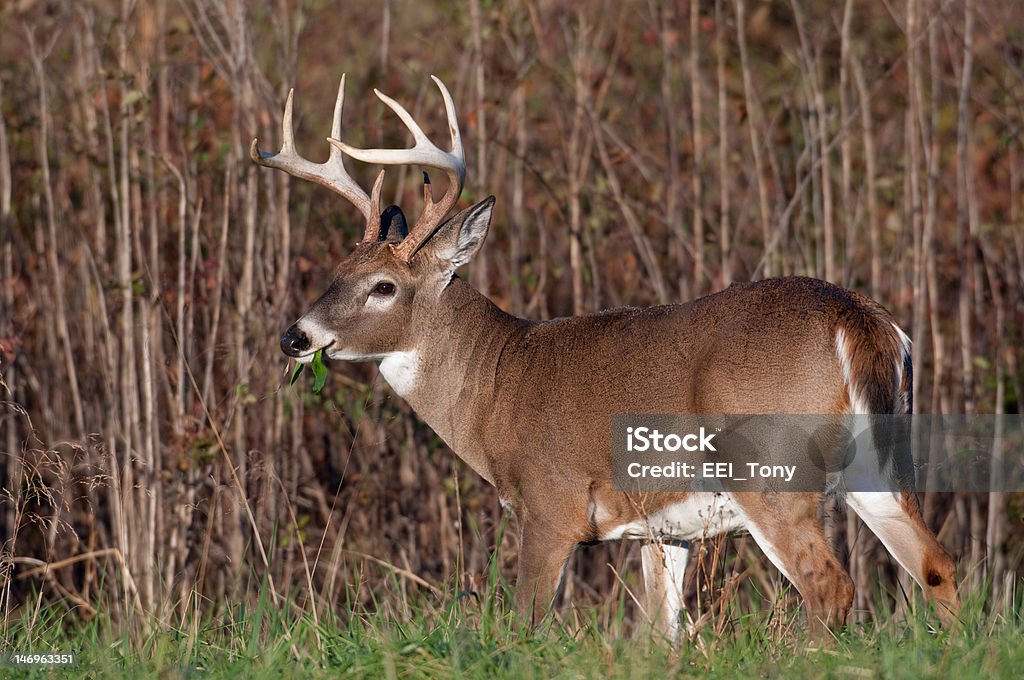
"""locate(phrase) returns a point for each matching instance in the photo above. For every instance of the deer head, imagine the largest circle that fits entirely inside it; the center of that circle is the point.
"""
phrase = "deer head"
(369, 311)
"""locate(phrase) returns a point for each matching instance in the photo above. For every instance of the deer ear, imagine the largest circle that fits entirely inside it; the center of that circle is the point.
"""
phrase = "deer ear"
(392, 225)
(458, 239)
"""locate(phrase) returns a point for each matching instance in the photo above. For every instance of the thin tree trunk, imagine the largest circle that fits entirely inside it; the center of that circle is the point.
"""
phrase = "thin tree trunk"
(871, 173)
(8, 372)
(517, 225)
(929, 125)
(913, 199)
(847, 207)
(724, 230)
(480, 270)
(964, 186)
(996, 524)
(55, 246)
(696, 178)
(665, 15)
(819, 132)
(754, 124)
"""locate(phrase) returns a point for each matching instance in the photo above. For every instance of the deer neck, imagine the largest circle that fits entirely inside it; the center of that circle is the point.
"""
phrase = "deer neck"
(451, 377)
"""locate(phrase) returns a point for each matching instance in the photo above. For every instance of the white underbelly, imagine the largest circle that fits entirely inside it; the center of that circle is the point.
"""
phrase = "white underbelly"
(700, 515)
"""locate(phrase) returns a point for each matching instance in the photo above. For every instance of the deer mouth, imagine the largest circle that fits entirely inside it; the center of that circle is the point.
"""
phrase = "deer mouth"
(338, 354)
(307, 357)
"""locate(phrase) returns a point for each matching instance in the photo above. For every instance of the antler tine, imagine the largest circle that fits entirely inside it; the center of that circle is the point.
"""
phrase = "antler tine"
(423, 152)
(331, 174)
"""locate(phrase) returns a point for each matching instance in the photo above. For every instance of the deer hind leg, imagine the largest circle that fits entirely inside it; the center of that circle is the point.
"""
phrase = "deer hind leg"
(664, 566)
(895, 518)
(785, 526)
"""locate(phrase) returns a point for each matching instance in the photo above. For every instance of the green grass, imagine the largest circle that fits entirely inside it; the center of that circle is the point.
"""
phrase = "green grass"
(460, 637)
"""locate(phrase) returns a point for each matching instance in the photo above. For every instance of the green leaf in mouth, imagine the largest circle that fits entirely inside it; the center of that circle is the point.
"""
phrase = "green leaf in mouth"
(296, 372)
(319, 371)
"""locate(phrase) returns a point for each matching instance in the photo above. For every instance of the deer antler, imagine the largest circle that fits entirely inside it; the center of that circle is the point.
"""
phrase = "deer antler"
(331, 174)
(425, 153)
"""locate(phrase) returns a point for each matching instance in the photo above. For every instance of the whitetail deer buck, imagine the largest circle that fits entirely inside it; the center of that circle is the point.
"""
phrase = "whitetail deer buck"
(528, 405)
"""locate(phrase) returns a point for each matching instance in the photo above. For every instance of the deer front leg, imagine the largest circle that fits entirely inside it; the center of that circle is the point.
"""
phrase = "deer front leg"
(664, 566)
(542, 559)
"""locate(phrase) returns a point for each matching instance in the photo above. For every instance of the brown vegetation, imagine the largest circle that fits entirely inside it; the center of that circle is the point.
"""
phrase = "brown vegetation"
(641, 152)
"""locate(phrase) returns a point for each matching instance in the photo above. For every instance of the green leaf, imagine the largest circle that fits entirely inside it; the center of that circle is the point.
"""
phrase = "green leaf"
(296, 372)
(319, 372)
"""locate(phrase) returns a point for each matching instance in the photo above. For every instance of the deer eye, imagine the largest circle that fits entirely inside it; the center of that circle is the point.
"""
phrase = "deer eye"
(384, 288)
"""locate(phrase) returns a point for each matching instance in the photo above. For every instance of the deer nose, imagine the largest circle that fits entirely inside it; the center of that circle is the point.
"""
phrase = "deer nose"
(294, 342)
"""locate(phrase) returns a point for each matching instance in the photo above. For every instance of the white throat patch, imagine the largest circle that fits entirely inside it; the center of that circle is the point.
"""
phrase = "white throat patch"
(400, 369)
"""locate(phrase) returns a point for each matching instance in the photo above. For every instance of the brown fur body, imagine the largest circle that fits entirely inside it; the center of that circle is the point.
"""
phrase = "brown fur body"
(529, 404)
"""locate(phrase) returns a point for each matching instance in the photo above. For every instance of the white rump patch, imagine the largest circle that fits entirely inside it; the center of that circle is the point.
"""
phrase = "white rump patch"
(904, 339)
(401, 369)
(857, 404)
(905, 344)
